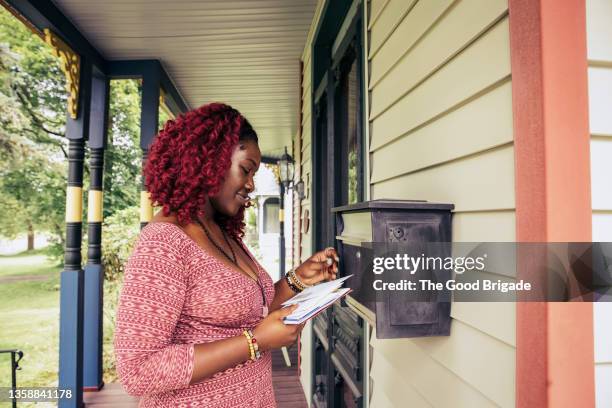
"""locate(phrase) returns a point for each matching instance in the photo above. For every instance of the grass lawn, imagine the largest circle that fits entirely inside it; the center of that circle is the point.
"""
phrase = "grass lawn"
(26, 263)
(29, 319)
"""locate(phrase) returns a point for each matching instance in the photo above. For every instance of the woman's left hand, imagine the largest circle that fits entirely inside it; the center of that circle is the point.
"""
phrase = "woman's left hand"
(321, 266)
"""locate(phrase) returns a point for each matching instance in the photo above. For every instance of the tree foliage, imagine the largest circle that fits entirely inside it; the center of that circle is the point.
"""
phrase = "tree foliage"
(32, 146)
(33, 165)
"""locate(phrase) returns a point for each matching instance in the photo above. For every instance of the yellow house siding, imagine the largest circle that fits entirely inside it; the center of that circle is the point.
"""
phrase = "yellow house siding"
(486, 226)
(480, 182)
(388, 114)
(391, 15)
(441, 130)
(494, 110)
(599, 51)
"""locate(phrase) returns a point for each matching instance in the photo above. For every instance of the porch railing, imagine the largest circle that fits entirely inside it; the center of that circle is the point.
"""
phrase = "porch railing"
(14, 367)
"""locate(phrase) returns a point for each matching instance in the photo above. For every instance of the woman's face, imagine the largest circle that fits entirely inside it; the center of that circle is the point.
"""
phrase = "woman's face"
(238, 183)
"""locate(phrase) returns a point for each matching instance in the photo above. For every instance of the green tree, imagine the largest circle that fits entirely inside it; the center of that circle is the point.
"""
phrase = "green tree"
(32, 147)
(123, 156)
(32, 119)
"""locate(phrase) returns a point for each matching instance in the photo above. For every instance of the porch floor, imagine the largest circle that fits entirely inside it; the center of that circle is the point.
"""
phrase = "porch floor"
(287, 388)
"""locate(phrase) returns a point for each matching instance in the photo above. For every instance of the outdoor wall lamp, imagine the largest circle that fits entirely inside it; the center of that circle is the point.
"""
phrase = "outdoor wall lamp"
(286, 169)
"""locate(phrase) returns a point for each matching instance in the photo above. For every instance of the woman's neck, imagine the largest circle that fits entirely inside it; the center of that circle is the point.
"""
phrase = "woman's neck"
(209, 216)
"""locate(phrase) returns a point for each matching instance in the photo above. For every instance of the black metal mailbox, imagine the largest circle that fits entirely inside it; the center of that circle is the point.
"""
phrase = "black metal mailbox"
(407, 222)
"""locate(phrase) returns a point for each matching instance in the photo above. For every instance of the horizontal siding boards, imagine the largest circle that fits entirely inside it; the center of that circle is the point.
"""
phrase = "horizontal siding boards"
(380, 399)
(603, 332)
(475, 356)
(307, 118)
(479, 226)
(600, 100)
(481, 182)
(452, 33)
(446, 89)
(599, 50)
(412, 28)
(602, 227)
(376, 8)
(390, 384)
(601, 171)
(599, 30)
(413, 374)
(306, 157)
(307, 84)
(480, 125)
(441, 130)
(392, 15)
(485, 316)
(307, 137)
(307, 110)
(603, 379)
(437, 48)
(448, 371)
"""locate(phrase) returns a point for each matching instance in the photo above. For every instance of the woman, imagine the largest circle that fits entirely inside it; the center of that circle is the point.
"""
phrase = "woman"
(197, 314)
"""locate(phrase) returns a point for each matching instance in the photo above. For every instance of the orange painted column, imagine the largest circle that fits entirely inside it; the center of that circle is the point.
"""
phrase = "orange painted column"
(554, 341)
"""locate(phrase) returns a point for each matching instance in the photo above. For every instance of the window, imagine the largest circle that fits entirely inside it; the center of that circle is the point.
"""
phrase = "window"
(271, 223)
(349, 127)
(338, 145)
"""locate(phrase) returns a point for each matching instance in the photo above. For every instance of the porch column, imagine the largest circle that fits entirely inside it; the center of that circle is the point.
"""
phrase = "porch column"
(151, 82)
(78, 73)
(94, 272)
(554, 341)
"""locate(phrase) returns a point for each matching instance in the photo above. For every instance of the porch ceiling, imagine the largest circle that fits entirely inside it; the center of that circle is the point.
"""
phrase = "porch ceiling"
(245, 53)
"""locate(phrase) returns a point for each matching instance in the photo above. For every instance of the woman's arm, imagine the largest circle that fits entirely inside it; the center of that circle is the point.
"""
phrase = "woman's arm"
(315, 269)
(219, 355)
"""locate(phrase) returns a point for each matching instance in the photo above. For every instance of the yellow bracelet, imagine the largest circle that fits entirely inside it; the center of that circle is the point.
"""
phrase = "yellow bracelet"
(251, 347)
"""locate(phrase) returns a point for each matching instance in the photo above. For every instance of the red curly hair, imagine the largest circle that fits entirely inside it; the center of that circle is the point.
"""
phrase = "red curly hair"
(188, 159)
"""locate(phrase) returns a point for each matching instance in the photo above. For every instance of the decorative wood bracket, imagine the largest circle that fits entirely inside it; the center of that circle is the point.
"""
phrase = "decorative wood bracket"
(71, 65)
(163, 106)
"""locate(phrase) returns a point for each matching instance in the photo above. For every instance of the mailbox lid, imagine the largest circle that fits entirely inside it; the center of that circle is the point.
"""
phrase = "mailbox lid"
(389, 204)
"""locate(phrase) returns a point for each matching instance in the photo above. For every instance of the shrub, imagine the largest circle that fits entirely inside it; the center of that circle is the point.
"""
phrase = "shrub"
(119, 234)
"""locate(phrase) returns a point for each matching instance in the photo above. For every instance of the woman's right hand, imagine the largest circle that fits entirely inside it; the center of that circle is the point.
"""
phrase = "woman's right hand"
(272, 333)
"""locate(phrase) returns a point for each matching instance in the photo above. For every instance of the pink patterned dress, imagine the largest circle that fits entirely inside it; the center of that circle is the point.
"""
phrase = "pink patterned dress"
(176, 295)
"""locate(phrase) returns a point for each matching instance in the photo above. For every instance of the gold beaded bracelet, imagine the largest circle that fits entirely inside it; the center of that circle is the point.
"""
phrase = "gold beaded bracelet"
(292, 278)
(253, 346)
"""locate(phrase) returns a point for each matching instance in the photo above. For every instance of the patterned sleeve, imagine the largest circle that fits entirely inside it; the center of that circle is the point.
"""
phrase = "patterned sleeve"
(149, 306)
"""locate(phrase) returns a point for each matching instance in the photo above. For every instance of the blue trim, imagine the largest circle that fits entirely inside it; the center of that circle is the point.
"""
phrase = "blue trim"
(98, 115)
(149, 112)
(71, 337)
(92, 325)
(44, 14)
(138, 68)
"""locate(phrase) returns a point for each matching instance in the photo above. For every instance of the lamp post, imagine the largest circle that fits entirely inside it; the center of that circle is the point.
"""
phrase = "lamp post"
(286, 170)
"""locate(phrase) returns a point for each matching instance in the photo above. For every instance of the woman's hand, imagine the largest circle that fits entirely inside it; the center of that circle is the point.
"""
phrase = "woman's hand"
(321, 266)
(272, 333)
